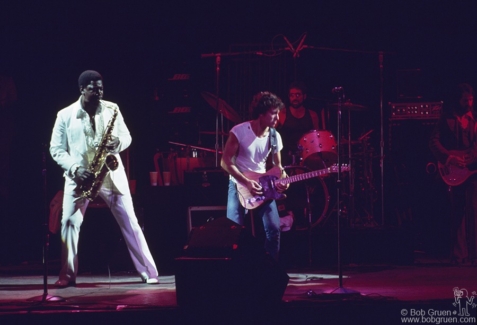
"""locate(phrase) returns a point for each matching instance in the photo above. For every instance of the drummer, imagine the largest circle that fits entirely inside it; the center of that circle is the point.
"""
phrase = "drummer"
(294, 121)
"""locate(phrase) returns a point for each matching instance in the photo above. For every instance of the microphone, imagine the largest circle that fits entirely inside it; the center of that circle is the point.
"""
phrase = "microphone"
(290, 46)
(337, 90)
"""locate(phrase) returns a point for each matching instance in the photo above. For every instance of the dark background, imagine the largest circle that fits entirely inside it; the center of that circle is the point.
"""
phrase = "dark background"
(138, 45)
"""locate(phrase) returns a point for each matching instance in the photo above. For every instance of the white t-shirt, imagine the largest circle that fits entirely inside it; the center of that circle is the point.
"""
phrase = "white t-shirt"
(253, 151)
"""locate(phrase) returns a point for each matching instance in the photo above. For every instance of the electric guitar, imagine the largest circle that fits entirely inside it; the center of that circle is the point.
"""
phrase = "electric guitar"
(454, 175)
(269, 179)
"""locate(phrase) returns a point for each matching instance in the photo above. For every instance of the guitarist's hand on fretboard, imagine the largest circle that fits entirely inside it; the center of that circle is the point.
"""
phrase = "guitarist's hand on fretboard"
(281, 187)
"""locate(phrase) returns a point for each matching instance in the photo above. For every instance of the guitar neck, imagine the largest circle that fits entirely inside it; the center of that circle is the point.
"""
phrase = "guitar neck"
(304, 176)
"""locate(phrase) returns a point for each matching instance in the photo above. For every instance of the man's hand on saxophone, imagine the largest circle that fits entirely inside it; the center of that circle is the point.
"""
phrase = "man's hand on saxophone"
(82, 174)
(113, 144)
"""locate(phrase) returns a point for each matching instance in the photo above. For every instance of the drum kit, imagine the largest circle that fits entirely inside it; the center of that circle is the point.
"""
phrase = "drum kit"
(312, 202)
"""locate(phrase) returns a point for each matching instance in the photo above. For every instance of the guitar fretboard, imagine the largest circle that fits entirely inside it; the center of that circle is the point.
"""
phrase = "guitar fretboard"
(304, 176)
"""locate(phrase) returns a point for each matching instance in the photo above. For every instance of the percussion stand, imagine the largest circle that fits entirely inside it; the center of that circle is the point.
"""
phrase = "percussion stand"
(340, 290)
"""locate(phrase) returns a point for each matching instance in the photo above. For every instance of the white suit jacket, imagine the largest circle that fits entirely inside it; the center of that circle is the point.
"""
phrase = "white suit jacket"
(68, 145)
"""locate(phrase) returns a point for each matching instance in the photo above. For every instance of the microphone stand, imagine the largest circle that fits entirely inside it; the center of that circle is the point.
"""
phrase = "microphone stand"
(46, 244)
(340, 290)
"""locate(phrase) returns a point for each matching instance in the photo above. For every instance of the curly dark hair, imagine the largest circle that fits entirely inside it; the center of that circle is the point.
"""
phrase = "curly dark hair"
(263, 101)
(87, 76)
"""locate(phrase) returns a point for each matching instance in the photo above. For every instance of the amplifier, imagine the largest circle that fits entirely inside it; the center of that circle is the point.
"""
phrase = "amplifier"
(206, 187)
(429, 110)
(200, 215)
(206, 177)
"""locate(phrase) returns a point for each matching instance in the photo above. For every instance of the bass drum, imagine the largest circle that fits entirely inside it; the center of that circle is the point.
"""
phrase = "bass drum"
(303, 196)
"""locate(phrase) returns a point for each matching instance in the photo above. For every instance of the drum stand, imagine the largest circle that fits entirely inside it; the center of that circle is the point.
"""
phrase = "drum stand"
(366, 220)
(352, 213)
(308, 214)
(310, 224)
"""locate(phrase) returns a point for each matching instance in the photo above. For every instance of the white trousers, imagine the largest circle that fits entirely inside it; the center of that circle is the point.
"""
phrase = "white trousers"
(123, 211)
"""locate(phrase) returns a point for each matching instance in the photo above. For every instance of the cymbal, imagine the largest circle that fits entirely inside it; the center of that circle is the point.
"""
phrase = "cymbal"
(228, 112)
(213, 132)
(194, 147)
(348, 105)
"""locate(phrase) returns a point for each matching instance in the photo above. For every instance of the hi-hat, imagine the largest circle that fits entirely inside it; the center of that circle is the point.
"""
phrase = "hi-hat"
(348, 105)
(228, 112)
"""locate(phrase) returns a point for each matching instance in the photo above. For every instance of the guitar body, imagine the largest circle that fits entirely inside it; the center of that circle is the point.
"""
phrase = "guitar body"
(267, 181)
(249, 201)
(454, 175)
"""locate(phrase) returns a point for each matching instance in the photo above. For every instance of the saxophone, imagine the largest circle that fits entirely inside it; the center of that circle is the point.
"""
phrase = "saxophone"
(102, 163)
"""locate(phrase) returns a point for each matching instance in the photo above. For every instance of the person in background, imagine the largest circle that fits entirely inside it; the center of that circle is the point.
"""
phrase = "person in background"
(454, 144)
(294, 122)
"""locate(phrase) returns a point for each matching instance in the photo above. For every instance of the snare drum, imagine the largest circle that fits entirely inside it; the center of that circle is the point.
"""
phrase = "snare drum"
(318, 149)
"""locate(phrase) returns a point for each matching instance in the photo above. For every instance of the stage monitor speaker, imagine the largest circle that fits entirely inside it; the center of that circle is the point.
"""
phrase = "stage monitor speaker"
(224, 266)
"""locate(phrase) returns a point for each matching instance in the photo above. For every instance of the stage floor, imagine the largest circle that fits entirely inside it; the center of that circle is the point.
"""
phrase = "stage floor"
(384, 294)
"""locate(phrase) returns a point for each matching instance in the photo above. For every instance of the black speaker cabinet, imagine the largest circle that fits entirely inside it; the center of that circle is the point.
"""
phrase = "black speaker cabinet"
(414, 190)
(225, 266)
(409, 161)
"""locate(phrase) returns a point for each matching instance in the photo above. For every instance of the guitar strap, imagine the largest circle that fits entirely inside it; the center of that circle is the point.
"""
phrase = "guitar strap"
(273, 144)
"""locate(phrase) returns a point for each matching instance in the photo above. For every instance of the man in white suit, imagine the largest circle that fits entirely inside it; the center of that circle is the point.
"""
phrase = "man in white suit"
(76, 134)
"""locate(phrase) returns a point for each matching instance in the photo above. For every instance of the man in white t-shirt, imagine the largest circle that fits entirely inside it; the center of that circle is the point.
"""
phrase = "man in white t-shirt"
(246, 151)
